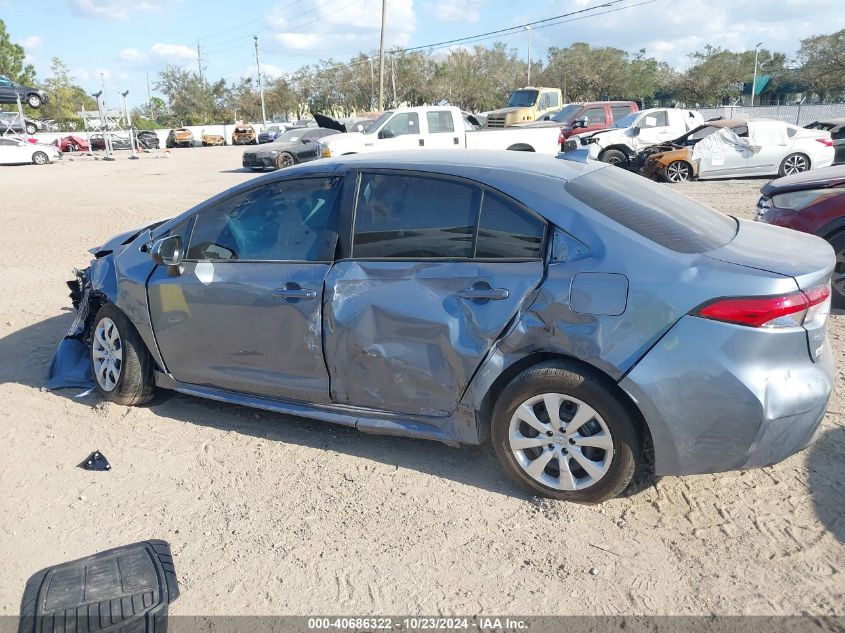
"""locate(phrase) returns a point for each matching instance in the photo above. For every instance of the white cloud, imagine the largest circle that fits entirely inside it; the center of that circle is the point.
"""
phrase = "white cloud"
(130, 55)
(81, 74)
(174, 52)
(322, 26)
(159, 52)
(111, 9)
(466, 11)
(33, 41)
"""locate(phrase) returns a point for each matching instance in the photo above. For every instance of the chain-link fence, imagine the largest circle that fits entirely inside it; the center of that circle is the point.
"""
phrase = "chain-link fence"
(797, 114)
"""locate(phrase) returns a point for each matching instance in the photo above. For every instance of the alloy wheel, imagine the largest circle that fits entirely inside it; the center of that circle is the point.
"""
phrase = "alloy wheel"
(107, 352)
(677, 172)
(40, 158)
(560, 441)
(795, 164)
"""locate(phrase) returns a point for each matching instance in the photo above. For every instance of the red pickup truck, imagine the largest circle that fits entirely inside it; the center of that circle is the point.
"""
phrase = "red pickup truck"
(590, 116)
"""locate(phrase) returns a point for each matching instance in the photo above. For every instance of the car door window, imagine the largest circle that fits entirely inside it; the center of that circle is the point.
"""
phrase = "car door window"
(594, 116)
(440, 121)
(412, 217)
(291, 220)
(506, 231)
(4, 83)
(620, 111)
(654, 119)
(405, 123)
(552, 101)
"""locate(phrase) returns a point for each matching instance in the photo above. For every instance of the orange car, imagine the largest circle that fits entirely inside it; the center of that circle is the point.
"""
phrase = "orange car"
(244, 134)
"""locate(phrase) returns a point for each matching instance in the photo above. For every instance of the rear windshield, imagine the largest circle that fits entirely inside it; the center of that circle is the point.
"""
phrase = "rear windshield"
(654, 211)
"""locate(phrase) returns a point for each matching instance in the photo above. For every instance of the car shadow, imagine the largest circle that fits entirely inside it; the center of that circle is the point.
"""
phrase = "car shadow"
(239, 170)
(26, 355)
(827, 480)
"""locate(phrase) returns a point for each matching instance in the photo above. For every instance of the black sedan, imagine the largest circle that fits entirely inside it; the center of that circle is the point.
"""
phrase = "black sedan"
(292, 147)
(11, 91)
(10, 122)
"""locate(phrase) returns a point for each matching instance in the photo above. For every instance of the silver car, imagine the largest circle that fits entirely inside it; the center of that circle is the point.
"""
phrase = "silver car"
(575, 315)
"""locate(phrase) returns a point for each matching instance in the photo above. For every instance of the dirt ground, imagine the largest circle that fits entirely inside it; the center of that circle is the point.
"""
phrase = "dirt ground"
(268, 514)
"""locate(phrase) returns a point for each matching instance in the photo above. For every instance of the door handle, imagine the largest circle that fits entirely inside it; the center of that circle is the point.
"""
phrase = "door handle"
(294, 292)
(456, 140)
(481, 292)
(422, 142)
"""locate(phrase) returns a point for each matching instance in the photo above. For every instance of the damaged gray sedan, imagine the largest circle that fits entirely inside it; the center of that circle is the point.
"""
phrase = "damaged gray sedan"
(575, 315)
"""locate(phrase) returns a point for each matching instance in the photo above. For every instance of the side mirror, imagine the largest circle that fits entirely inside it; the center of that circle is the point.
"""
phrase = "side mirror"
(388, 133)
(167, 251)
(580, 122)
(546, 117)
(635, 131)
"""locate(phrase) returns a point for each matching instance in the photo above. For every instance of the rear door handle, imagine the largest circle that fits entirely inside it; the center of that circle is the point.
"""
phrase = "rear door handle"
(294, 292)
(481, 292)
(422, 142)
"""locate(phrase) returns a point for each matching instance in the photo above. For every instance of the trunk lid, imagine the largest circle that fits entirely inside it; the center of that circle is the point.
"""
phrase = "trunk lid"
(806, 258)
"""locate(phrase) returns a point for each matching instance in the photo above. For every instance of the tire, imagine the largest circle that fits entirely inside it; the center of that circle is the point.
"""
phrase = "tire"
(285, 159)
(577, 392)
(794, 164)
(678, 171)
(33, 101)
(122, 366)
(837, 286)
(31, 129)
(40, 158)
(614, 157)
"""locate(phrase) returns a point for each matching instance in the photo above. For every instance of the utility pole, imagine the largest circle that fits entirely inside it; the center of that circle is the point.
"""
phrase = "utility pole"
(199, 60)
(150, 98)
(393, 77)
(260, 85)
(528, 28)
(372, 85)
(754, 83)
(381, 59)
(128, 118)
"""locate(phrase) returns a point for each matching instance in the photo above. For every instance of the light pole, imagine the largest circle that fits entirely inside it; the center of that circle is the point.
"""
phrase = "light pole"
(260, 85)
(128, 118)
(754, 83)
(528, 28)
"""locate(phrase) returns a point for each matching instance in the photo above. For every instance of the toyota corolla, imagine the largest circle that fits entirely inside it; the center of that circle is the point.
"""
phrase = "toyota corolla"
(575, 315)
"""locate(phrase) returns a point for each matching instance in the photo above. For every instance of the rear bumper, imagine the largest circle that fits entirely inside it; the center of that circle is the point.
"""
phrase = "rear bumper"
(719, 397)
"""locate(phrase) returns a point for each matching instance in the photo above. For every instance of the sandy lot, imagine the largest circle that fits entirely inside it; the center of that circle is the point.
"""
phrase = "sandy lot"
(268, 514)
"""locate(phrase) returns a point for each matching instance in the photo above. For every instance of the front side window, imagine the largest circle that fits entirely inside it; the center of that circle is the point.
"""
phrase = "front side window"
(413, 217)
(293, 220)
(654, 119)
(523, 98)
(405, 123)
(5, 82)
(440, 121)
(506, 231)
(551, 100)
(594, 115)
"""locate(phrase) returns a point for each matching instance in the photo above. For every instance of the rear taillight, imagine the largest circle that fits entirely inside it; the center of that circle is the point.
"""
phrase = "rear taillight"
(825, 141)
(560, 138)
(790, 310)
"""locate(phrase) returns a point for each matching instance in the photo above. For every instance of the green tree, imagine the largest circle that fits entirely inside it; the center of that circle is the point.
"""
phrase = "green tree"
(12, 60)
(822, 64)
(66, 97)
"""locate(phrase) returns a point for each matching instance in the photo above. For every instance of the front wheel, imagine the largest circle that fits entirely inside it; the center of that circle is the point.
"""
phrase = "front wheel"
(31, 129)
(794, 164)
(678, 171)
(285, 159)
(34, 101)
(559, 432)
(614, 157)
(40, 158)
(837, 241)
(122, 366)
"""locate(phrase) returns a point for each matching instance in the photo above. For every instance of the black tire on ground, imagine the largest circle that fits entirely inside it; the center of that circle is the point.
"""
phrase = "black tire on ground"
(136, 383)
(285, 159)
(794, 164)
(614, 157)
(33, 101)
(837, 241)
(40, 158)
(570, 379)
(31, 129)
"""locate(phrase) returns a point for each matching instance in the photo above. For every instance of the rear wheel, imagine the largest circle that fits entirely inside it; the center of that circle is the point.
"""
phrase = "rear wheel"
(31, 129)
(794, 164)
(40, 158)
(614, 157)
(559, 432)
(837, 241)
(678, 171)
(122, 366)
(34, 101)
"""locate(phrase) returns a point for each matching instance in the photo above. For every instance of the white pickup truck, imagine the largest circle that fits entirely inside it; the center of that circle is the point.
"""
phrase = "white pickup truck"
(436, 127)
(629, 135)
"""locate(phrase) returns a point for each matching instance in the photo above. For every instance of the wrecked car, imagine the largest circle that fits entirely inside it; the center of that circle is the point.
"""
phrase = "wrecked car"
(836, 127)
(291, 148)
(541, 305)
(72, 143)
(147, 139)
(731, 148)
(244, 134)
(179, 137)
(209, 140)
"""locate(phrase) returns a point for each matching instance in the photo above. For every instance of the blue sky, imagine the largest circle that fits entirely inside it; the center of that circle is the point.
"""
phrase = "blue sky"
(125, 39)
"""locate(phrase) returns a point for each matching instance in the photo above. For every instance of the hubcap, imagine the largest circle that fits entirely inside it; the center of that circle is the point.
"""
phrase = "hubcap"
(676, 172)
(795, 165)
(560, 441)
(107, 353)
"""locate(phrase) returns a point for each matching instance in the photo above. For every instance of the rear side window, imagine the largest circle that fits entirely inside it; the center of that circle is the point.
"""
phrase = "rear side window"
(594, 115)
(414, 217)
(440, 121)
(506, 231)
(653, 211)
